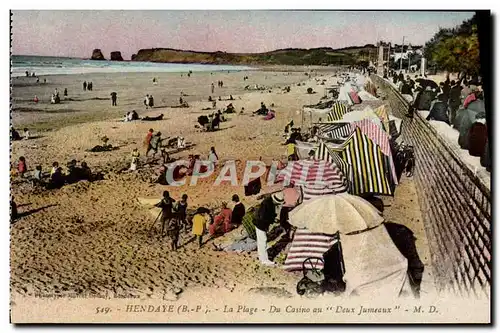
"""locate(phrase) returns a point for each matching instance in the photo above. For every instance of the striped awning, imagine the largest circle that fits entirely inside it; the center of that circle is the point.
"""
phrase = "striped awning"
(316, 177)
(338, 111)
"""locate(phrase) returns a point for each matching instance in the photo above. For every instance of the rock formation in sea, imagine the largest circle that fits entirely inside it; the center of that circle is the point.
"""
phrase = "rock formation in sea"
(116, 56)
(97, 55)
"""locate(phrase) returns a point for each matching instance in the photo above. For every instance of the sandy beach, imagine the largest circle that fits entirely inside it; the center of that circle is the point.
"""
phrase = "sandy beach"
(93, 236)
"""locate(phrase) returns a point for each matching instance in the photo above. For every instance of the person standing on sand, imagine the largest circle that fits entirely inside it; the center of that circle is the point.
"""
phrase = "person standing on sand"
(22, 167)
(199, 223)
(213, 87)
(238, 211)
(151, 101)
(113, 98)
(269, 209)
(168, 222)
(147, 141)
(65, 92)
(84, 85)
(180, 209)
(146, 101)
(135, 159)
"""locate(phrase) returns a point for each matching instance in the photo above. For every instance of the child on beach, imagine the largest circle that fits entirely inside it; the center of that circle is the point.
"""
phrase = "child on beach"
(26, 134)
(222, 222)
(55, 165)
(180, 209)
(37, 176)
(199, 222)
(21, 166)
(135, 160)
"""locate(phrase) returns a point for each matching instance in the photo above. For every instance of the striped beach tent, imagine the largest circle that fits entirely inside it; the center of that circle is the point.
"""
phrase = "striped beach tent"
(379, 137)
(338, 111)
(383, 114)
(306, 245)
(327, 154)
(316, 177)
(340, 131)
(370, 173)
(326, 127)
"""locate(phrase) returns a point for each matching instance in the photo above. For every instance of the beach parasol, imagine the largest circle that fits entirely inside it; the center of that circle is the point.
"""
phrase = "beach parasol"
(342, 212)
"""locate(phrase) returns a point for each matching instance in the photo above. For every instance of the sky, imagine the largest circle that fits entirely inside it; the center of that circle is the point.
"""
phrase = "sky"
(77, 33)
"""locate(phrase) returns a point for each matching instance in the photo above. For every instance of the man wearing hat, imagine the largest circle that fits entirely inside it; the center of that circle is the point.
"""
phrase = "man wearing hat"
(269, 210)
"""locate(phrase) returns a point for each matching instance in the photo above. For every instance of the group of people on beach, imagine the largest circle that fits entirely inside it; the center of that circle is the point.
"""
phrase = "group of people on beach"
(87, 86)
(57, 178)
(149, 101)
(173, 218)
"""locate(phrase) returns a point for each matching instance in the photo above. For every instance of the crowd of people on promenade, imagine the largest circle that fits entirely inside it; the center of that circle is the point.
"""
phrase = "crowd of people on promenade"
(443, 100)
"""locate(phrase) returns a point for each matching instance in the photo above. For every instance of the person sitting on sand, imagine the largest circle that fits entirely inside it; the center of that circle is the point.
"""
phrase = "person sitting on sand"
(26, 134)
(210, 99)
(231, 98)
(72, 176)
(55, 165)
(22, 168)
(214, 104)
(146, 101)
(180, 210)
(147, 141)
(135, 159)
(126, 118)
(37, 176)
(220, 99)
(36, 100)
(53, 99)
(230, 108)
(56, 179)
(14, 135)
(238, 211)
(222, 222)
(181, 101)
(134, 115)
(200, 220)
(85, 172)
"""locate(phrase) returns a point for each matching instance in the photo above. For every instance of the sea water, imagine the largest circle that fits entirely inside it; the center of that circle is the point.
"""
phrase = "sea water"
(57, 65)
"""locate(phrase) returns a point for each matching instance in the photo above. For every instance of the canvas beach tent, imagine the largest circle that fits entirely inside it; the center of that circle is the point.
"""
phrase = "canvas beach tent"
(366, 113)
(374, 267)
(316, 177)
(337, 112)
(369, 170)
